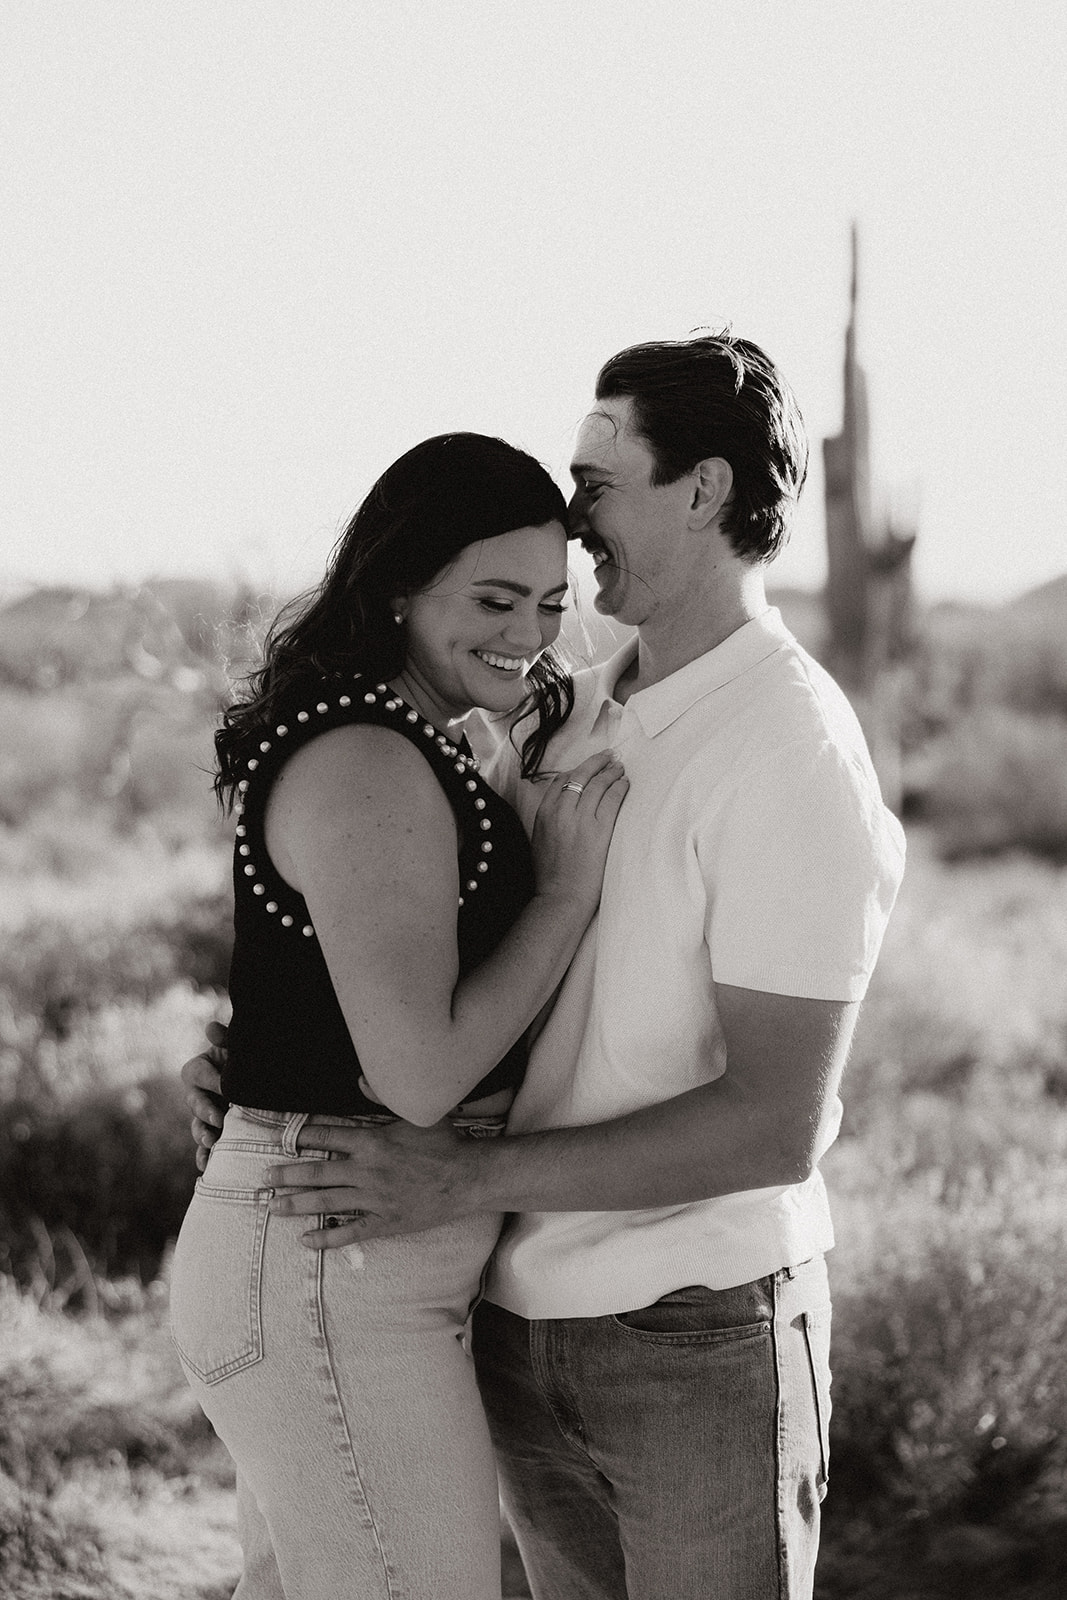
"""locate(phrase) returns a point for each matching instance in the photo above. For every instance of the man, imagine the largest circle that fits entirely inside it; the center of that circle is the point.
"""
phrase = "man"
(652, 1347)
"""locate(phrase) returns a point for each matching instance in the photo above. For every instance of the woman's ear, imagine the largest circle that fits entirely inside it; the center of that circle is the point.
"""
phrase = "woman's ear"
(714, 482)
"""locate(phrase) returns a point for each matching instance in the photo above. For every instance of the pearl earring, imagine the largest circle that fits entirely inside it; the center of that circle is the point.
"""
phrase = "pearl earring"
(398, 617)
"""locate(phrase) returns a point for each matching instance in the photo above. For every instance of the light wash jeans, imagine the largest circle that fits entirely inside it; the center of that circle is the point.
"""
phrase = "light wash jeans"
(678, 1452)
(340, 1384)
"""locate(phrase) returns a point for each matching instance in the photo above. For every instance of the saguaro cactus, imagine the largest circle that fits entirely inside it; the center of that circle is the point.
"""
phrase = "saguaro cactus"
(868, 581)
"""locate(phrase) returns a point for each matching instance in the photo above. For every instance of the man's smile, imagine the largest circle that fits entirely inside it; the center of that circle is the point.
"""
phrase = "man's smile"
(596, 550)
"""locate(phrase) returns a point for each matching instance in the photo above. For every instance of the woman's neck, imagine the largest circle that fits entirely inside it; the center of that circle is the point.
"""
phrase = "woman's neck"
(446, 719)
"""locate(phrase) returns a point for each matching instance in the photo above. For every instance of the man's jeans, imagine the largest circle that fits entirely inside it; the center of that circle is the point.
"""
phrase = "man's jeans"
(678, 1452)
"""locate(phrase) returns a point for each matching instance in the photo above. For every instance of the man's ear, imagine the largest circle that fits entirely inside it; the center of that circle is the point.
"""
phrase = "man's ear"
(714, 483)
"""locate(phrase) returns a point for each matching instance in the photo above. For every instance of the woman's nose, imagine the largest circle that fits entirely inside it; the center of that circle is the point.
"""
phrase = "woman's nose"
(523, 630)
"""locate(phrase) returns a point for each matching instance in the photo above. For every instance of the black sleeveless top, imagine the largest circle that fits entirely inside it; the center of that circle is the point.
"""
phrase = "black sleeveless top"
(289, 1047)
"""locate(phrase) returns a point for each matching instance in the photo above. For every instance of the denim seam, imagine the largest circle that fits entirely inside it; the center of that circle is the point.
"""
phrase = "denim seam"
(392, 1580)
(782, 1563)
(256, 1147)
(244, 1197)
(268, 1119)
(544, 1363)
(696, 1336)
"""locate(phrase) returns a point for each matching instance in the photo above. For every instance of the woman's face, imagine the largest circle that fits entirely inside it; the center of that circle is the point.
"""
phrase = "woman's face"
(475, 631)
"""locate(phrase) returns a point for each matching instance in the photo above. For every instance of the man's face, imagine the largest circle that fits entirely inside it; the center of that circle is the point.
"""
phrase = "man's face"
(634, 530)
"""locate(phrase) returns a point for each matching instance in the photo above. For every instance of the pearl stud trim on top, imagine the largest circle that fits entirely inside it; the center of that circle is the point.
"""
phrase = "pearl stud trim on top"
(463, 765)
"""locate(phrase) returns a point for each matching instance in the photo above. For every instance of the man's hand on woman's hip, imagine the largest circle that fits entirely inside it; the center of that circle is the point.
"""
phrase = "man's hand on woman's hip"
(203, 1092)
(396, 1179)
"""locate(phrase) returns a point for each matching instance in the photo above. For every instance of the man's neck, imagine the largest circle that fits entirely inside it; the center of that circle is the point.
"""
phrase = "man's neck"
(667, 644)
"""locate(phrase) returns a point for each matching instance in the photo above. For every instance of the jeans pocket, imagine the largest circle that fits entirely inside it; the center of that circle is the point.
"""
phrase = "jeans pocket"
(698, 1315)
(215, 1313)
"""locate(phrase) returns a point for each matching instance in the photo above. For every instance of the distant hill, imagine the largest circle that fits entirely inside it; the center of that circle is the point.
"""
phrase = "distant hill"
(1049, 598)
(182, 632)
(185, 633)
(178, 632)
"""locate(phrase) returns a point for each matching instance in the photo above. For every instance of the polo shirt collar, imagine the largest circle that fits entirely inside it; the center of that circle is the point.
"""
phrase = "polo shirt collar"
(663, 703)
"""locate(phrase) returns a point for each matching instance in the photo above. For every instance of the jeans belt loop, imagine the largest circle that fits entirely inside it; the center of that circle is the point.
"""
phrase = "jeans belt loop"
(292, 1132)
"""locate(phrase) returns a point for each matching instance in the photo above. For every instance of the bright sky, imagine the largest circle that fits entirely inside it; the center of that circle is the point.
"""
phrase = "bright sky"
(255, 249)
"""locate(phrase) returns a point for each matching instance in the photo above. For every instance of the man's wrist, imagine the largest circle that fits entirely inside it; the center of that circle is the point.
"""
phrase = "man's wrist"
(479, 1175)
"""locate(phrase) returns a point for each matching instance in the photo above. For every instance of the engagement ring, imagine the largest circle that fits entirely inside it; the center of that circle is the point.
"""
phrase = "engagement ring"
(575, 788)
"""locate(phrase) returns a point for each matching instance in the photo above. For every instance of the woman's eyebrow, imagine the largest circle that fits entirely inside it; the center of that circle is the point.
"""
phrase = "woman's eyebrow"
(516, 588)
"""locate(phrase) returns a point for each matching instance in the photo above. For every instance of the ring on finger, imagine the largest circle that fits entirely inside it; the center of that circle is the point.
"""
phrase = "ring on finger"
(339, 1218)
(575, 788)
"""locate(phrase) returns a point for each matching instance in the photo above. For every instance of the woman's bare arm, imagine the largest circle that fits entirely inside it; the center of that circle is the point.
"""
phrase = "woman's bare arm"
(358, 824)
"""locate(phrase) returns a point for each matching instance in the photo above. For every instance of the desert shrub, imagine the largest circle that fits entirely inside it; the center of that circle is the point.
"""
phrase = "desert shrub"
(62, 971)
(44, 742)
(200, 939)
(74, 866)
(74, 1033)
(1015, 656)
(949, 1423)
(45, 1552)
(999, 781)
(61, 842)
(76, 739)
(985, 727)
(89, 767)
(89, 1406)
(100, 1184)
(129, 749)
(115, 1047)
(970, 980)
(949, 1432)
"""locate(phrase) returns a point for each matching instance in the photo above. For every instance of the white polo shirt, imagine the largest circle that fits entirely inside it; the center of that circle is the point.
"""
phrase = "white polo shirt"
(753, 849)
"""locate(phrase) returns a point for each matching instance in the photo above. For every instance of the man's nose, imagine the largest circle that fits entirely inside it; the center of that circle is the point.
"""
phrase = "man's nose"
(576, 518)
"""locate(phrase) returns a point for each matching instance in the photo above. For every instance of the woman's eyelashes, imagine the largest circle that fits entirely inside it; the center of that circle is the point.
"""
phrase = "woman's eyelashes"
(555, 608)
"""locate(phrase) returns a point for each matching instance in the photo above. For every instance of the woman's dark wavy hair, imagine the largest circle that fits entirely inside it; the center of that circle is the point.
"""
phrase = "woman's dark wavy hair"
(716, 395)
(445, 494)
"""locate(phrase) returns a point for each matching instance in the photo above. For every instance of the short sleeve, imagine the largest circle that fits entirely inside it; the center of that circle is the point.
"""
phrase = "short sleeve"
(801, 869)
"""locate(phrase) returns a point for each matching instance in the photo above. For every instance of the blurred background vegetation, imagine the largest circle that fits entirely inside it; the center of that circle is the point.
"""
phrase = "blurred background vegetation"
(949, 1474)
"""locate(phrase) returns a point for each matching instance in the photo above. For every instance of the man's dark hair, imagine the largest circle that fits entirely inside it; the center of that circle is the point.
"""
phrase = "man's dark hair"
(714, 395)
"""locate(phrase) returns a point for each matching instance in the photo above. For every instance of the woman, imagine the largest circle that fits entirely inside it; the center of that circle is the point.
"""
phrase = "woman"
(394, 939)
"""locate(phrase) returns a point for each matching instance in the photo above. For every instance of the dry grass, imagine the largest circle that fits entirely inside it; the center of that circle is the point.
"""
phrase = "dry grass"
(949, 1476)
(111, 1484)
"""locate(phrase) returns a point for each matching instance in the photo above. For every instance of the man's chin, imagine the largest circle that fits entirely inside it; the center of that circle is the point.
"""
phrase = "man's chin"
(605, 600)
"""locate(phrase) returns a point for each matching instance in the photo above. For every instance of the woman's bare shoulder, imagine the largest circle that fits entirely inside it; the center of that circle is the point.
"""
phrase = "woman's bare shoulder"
(362, 781)
(359, 762)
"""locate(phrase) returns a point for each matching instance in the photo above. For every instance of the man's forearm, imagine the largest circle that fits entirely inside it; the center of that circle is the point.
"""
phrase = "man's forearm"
(762, 1124)
(703, 1143)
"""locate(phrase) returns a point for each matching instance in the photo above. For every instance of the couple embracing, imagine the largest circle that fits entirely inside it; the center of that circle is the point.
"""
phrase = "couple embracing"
(625, 920)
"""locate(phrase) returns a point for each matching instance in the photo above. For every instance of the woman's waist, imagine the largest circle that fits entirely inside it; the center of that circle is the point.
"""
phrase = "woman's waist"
(254, 1139)
(285, 1080)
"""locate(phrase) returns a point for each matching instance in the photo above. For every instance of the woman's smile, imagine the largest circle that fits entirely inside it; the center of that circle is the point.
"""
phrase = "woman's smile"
(508, 664)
